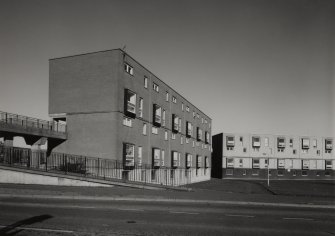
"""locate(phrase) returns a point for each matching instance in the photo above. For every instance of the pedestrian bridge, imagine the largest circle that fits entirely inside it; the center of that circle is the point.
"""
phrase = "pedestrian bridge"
(31, 129)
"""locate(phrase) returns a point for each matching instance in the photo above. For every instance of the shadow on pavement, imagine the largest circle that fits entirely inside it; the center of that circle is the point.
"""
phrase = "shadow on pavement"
(15, 228)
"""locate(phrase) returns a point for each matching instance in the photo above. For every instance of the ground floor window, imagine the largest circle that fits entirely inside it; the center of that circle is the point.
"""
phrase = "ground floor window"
(229, 171)
(255, 172)
(280, 173)
(304, 173)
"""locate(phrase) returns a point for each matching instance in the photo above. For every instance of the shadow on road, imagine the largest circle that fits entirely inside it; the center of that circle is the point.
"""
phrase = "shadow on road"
(15, 228)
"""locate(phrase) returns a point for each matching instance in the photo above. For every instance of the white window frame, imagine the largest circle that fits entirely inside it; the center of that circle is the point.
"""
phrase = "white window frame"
(155, 87)
(145, 82)
(129, 69)
(127, 121)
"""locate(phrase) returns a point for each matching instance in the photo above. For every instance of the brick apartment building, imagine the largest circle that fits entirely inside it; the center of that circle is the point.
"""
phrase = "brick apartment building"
(283, 156)
(117, 109)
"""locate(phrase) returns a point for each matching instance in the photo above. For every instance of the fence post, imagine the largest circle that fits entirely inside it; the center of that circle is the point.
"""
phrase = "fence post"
(46, 162)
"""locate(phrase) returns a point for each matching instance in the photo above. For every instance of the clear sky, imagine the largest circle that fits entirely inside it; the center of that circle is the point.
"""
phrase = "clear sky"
(252, 66)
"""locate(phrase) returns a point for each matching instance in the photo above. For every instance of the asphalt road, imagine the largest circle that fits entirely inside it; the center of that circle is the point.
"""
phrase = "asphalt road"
(68, 217)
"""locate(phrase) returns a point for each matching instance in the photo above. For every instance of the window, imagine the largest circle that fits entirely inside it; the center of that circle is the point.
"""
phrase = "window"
(193, 114)
(304, 173)
(318, 152)
(163, 158)
(240, 163)
(189, 129)
(205, 121)
(155, 87)
(329, 145)
(229, 172)
(256, 142)
(199, 162)
(166, 135)
(281, 164)
(280, 142)
(174, 99)
(291, 142)
(156, 157)
(187, 108)
(182, 106)
(255, 163)
(175, 159)
(188, 160)
(206, 137)
(154, 130)
(139, 156)
(181, 140)
(305, 143)
(163, 118)
(241, 139)
(266, 163)
(329, 165)
(266, 142)
(294, 151)
(175, 123)
(244, 149)
(230, 148)
(230, 141)
(157, 115)
(130, 103)
(315, 143)
(198, 116)
(144, 129)
(199, 134)
(305, 164)
(255, 172)
(140, 107)
(128, 155)
(280, 173)
(145, 82)
(187, 140)
(127, 121)
(193, 144)
(173, 136)
(230, 163)
(167, 96)
(202, 120)
(206, 162)
(179, 125)
(129, 69)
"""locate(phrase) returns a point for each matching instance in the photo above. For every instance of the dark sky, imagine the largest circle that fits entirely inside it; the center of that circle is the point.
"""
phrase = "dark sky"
(252, 66)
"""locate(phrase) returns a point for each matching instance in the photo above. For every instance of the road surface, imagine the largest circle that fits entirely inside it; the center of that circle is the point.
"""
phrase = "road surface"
(22, 216)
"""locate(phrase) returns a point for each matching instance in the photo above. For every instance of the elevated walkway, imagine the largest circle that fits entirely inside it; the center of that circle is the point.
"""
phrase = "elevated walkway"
(31, 129)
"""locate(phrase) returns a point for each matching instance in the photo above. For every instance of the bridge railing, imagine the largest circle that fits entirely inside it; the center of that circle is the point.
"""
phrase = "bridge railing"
(29, 122)
(97, 168)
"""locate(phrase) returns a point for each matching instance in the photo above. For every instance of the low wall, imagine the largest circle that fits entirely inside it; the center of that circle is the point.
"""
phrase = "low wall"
(19, 177)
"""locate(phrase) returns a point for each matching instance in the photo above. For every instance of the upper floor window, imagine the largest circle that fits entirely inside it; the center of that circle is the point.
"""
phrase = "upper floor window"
(189, 129)
(291, 142)
(130, 103)
(174, 99)
(206, 162)
(140, 107)
(230, 141)
(281, 164)
(193, 114)
(167, 96)
(281, 142)
(182, 106)
(157, 115)
(127, 121)
(256, 142)
(179, 124)
(163, 118)
(129, 69)
(128, 155)
(155, 87)
(144, 130)
(187, 108)
(199, 134)
(175, 159)
(328, 144)
(315, 143)
(198, 116)
(145, 82)
(156, 157)
(139, 156)
(255, 163)
(175, 123)
(241, 139)
(266, 142)
(305, 143)
(188, 160)
(199, 162)
(206, 137)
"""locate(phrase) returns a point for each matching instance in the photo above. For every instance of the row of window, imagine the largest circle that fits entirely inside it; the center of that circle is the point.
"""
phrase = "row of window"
(280, 163)
(279, 150)
(281, 142)
(279, 172)
(130, 70)
(158, 158)
(159, 117)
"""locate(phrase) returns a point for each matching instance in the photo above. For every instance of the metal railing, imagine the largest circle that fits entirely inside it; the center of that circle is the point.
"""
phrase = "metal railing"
(25, 121)
(98, 168)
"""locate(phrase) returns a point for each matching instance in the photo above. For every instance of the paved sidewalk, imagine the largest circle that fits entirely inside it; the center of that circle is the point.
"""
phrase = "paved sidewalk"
(200, 195)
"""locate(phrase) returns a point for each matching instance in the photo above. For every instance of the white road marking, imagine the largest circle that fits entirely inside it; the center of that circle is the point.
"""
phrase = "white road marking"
(296, 218)
(184, 212)
(246, 216)
(129, 209)
(39, 229)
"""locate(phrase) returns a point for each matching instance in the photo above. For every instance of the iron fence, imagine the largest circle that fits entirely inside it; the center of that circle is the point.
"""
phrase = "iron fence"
(98, 168)
(30, 122)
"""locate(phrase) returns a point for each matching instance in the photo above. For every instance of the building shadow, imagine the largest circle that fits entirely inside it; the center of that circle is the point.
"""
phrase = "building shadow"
(15, 228)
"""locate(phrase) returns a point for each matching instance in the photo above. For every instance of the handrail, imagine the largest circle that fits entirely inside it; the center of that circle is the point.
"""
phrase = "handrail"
(26, 121)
